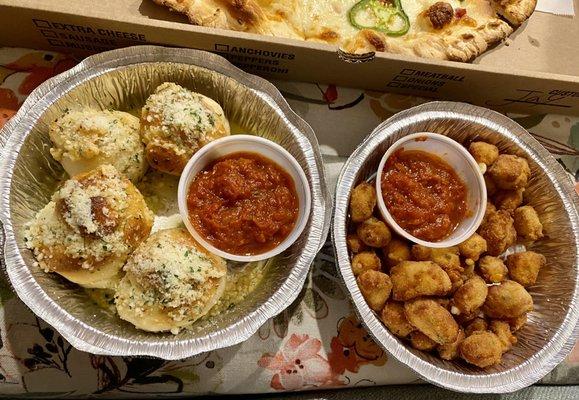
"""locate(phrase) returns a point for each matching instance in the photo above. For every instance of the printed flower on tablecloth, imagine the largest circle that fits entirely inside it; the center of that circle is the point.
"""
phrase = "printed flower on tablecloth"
(322, 284)
(353, 347)
(141, 375)
(384, 105)
(329, 97)
(52, 352)
(8, 105)
(299, 365)
(41, 66)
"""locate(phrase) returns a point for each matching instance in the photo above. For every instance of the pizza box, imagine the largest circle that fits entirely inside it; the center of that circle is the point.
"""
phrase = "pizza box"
(536, 70)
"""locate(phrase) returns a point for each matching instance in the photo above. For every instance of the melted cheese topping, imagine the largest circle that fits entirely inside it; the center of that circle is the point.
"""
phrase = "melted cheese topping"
(79, 213)
(83, 140)
(323, 17)
(328, 20)
(181, 117)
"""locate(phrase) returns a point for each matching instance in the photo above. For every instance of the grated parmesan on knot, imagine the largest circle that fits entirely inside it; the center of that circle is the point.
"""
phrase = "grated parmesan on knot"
(69, 225)
(84, 139)
(79, 197)
(179, 116)
(170, 272)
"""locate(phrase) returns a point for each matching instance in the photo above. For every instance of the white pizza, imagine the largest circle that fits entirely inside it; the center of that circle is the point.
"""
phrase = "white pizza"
(449, 30)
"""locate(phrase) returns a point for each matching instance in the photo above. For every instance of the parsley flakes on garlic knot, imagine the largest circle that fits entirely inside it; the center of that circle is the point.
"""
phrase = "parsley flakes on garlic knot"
(175, 123)
(90, 226)
(83, 140)
(170, 282)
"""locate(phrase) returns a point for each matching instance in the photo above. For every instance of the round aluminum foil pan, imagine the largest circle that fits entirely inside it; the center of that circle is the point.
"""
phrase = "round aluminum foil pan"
(123, 79)
(552, 329)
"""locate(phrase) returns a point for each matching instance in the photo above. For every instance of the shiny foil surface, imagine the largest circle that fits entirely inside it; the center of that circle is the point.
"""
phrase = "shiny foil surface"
(122, 80)
(551, 330)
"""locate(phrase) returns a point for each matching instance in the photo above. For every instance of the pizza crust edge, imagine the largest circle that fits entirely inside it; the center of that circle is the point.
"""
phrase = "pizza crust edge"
(458, 46)
(515, 11)
(238, 15)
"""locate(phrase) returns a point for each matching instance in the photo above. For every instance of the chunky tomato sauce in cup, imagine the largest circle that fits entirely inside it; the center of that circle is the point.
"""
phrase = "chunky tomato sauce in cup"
(423, 194)
(243, 203)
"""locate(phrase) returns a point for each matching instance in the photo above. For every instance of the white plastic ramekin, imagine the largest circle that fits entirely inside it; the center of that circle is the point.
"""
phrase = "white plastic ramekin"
(265, 148)
(464, 165)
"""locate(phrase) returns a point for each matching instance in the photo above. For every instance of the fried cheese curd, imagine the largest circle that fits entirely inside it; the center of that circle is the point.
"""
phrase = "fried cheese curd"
(374, 233)
(473, 247)
(503, 331)
(450, 351)
(508, 200)
(510, 172)
(431, 319)
(470, 297)
(492, 269)
(482, 348)
(527, 223)
(447, 258)
(499, 232)
(83, 140)
(170, 282)
(420, 341)
(362, 202)
(490, 185)
(394, 318)
(355, 245)
(365, 261)
(484, 153)
(397, 251)
(479, 324)
(411, 279)
(467, 302)
(489, 210)
(517, 322)
(507, 300)
(175, 123)
(89, 228)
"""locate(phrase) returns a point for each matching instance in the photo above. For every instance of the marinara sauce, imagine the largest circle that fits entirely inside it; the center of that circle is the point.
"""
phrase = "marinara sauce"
(423, 194)
(243, 204)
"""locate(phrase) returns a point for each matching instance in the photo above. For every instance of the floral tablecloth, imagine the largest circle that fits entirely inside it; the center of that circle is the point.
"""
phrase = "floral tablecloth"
(316, 343)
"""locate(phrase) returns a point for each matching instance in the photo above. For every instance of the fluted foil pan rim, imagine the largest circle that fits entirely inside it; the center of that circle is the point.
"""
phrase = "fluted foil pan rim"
(565, 337)
(81, 335)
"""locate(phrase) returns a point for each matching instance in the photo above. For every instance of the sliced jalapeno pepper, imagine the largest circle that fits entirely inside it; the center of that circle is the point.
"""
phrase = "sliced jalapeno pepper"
(386, 14)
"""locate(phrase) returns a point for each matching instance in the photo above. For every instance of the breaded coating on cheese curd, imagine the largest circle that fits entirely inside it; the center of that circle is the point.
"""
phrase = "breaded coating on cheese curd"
(527, 223)
(175, 123)
(83, 140)
(510, 172)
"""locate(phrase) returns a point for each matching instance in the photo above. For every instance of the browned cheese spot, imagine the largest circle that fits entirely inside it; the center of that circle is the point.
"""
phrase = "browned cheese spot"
(375, 40)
